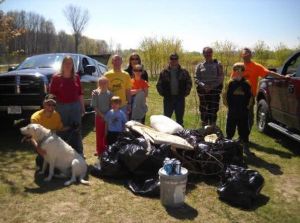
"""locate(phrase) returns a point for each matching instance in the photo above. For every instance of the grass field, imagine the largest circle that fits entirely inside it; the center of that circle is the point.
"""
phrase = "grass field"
(24, 197)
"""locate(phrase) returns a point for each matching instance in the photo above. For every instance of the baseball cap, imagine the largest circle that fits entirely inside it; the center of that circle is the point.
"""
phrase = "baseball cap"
(50, 98)
(116, 99)
(238, 67)
(174, 56)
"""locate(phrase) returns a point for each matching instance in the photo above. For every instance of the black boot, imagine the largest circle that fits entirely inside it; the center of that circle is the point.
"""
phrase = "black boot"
(246, 150)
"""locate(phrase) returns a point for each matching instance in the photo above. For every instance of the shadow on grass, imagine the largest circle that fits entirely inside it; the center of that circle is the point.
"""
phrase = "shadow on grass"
(285, 141)
(261, 163)
(44, 187)
(55, 184)
(261, 200)
(271, 151)
(184, 212)
(195, 179)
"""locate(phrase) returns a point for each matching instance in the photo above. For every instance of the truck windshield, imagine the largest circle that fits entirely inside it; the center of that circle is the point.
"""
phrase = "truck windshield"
(43, 61)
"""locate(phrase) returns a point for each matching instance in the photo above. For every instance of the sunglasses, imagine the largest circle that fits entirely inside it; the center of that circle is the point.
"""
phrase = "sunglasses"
(239, 69)
(173, 58)
(134, 58)
(51, 105)
(135, 70)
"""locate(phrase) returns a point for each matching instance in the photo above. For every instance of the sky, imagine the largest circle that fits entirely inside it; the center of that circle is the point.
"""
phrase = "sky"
(198, 23)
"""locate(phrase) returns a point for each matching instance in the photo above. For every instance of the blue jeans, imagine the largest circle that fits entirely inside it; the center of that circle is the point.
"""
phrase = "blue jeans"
(177, 104)
(71, 116)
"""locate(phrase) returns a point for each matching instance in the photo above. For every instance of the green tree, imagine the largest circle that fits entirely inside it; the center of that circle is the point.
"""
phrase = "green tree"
(226, 52)
(261, 52)
(281, 53)
(155, 52)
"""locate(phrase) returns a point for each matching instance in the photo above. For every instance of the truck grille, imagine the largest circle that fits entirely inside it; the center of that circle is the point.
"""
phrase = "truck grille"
(30, 85)
(21, 85)
(7, 85)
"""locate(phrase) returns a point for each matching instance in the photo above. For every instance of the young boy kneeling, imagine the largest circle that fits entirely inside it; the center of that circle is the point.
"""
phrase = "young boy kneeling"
(238, 98)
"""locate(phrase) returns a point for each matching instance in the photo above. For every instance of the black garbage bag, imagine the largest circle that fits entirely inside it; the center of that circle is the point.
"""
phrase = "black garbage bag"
(110, 165)
(113, 160)
(133, 154)
(200, 133)
(155, 160)
(231, 152)
(191, 136)
(145, 187)
(240, 187)
(129, 155)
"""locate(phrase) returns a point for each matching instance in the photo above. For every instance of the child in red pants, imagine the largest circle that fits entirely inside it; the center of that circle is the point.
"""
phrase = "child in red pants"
(101, 98)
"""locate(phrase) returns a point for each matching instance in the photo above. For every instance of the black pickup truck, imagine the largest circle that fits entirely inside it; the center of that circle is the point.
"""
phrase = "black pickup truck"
(23, 88)
(279, 100)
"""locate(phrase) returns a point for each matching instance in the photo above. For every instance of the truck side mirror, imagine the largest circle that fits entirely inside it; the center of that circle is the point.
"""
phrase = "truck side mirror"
(272, 69)
(11, 69)
(89, 69)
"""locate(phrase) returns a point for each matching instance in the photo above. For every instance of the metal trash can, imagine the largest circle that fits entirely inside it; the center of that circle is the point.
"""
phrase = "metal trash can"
(172, 187)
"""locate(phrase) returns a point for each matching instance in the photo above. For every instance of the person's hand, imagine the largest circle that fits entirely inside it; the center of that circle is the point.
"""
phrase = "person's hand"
(100, 114)
(128, 108)
(41, 152)
(95, 92)
(82, 111)
(207, 88)
(135, 91)
(288, 76)
(26, 139)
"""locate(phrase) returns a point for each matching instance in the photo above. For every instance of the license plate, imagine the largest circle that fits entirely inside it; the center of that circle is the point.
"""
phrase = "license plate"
(14, 110)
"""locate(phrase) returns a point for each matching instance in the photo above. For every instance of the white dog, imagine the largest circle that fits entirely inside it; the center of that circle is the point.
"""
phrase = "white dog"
(59, 154)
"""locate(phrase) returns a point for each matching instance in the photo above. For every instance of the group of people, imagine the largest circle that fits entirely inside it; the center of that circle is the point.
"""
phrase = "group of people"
(121, 96)
(175, 83)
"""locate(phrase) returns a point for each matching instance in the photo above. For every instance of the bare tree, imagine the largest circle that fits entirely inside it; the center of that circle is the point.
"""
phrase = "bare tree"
(78, 19)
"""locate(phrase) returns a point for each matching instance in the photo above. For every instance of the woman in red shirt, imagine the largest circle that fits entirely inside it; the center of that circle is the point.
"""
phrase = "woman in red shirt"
(70, 105)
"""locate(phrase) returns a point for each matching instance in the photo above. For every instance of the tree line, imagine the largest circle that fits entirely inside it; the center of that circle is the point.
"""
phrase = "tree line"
(155, 54)
(27, 33)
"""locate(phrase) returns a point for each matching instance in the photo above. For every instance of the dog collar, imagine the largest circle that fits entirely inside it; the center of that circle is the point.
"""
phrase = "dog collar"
(45, 138)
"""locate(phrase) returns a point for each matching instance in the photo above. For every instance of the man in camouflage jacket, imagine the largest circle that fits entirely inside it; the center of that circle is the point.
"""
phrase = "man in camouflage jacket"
(209, 83)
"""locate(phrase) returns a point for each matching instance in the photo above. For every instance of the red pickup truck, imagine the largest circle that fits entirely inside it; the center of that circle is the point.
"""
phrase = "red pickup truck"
(278, 100)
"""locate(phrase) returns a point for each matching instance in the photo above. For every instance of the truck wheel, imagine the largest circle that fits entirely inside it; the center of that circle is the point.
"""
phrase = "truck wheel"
(262, 116)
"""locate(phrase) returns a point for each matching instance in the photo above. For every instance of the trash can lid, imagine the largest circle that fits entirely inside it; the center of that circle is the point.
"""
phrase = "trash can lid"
(183, 171)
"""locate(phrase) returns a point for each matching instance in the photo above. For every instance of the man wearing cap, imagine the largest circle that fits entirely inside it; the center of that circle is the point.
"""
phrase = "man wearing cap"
(209, 83)
(174, 84)
(48, 118)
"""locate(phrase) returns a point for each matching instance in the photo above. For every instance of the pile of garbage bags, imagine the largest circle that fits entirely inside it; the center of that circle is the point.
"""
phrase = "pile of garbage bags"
(138, 161)
(240, 186)
(129, 157)
(209, 158)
